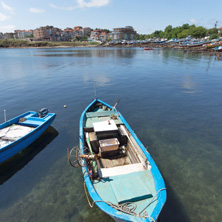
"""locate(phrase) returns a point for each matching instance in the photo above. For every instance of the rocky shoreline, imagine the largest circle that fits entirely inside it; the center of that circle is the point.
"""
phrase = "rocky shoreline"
(208, 50)
(195, 49)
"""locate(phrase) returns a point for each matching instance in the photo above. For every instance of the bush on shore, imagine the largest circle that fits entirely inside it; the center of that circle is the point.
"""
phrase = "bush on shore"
(13, 43)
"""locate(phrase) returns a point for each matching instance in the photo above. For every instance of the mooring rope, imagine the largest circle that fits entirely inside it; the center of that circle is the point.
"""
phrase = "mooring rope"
(151, 200)
(128, 208)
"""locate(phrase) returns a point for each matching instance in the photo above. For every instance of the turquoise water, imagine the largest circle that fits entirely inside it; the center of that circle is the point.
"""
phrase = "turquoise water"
(170, 98)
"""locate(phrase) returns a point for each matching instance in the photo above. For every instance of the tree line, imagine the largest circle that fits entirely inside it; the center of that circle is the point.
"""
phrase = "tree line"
(182, 32)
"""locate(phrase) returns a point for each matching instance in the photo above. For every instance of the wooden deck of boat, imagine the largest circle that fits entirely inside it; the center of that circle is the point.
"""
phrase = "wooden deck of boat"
(119, 160)
(113, 161)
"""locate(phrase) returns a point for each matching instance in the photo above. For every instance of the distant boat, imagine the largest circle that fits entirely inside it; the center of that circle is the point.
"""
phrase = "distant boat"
(120, 175)
(18, 133)
(148, 48)
(219, 48)
(195, 44)
(160, 42)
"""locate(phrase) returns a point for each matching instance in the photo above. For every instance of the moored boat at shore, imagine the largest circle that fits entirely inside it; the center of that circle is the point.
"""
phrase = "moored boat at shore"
(120, 175)
(148, 48)
(218, 49)
(18, 133)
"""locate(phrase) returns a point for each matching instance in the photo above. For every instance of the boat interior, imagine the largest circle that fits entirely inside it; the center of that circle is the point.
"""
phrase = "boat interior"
(19, 127)
(121, 171)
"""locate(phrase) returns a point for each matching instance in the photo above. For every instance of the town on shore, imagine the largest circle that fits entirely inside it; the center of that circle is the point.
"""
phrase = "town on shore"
(186, 37)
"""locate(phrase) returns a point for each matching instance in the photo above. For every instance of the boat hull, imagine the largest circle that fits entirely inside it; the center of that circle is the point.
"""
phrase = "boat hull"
(159, 183)
(20, 144)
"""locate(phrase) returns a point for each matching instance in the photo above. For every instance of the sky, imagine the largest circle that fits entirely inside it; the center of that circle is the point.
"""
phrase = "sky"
(145, 16)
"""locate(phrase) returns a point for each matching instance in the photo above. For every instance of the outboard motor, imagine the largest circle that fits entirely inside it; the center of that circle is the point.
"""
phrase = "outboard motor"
(43, 112)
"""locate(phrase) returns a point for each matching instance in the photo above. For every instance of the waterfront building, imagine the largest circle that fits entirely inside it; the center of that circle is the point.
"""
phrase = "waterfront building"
(127, 33)
(103, 36)
(94, 35)
(47, 33)
(23, 34)
(78, 32)
(9, 35)
(98, 35)
(1, 35)
(86, 31)
(67, 34)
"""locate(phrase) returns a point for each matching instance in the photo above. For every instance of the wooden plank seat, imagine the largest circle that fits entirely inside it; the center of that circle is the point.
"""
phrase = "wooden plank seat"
(120, 170)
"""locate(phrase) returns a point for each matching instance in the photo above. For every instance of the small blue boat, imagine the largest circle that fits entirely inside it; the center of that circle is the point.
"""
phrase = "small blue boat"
(120, 175)
(18, 133)
(219, 49)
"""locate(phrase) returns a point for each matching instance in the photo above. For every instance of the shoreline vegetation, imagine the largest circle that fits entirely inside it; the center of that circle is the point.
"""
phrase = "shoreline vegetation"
(12, 43)
(15, 43)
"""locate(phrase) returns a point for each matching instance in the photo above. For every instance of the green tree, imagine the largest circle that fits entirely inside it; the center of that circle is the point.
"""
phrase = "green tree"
(183, 34)
(158, 34)
(175, 32)
(214, 36)
(85, 38)
(198, 32)
(185, 26)
(212, 31)
(106, 30)
(141, 37)
(168, 31)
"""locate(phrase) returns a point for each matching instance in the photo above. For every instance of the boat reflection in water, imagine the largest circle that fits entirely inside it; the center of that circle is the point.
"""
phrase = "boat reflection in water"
(16, 163)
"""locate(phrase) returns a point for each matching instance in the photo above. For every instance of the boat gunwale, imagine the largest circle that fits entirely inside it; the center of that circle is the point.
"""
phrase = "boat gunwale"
(158, 179)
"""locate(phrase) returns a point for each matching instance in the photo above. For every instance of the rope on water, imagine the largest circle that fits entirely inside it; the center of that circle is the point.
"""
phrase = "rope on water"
(128, 208)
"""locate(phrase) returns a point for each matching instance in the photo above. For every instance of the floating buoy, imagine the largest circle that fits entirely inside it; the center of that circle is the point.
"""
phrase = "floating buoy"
(64, 106)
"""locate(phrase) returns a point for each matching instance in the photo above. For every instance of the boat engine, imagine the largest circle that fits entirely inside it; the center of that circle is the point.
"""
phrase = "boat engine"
(43, 112)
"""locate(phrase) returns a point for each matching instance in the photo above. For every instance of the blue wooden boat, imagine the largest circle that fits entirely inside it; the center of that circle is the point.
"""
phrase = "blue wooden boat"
(219, 49)
(120, 175)
(18, 133)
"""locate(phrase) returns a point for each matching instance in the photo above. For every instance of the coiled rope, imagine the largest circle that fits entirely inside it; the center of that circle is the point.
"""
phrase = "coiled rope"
(128, 208)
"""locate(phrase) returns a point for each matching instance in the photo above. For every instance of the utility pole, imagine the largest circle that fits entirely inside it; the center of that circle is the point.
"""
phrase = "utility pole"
(216, 24)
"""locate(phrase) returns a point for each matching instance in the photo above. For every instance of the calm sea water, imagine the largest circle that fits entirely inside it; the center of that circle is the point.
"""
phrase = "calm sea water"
(172, 99)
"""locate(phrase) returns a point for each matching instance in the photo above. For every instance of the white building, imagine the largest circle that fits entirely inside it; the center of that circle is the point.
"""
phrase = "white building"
(23, 34)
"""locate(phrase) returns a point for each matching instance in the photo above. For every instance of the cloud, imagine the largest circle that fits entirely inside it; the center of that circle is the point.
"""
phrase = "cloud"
(194, 21)
(83, 4)
(92, 3)
(62, 8)
(7, 8)
(3, 17)
(36, 10)
(7, 28)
